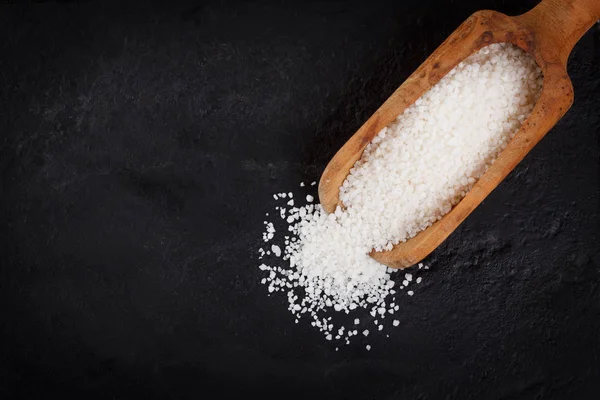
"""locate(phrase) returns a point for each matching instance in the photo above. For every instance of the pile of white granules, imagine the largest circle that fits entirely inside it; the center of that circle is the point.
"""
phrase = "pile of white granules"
(412, 173)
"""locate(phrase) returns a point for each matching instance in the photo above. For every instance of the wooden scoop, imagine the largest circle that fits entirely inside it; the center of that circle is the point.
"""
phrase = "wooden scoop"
(548, 32)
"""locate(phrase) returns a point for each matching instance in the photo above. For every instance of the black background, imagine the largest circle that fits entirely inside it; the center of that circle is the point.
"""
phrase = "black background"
(140, 145)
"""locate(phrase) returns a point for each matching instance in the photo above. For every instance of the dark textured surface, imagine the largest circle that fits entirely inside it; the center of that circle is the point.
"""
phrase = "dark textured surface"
(139, 148)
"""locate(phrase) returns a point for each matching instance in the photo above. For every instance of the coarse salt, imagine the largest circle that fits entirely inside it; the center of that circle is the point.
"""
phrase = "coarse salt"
(410, 175)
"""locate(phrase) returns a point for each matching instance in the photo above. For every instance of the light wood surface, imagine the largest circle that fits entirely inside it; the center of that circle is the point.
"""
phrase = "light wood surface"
(548, 32)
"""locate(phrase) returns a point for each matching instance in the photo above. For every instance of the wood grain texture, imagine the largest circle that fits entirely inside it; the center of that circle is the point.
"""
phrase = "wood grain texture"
(548, 32)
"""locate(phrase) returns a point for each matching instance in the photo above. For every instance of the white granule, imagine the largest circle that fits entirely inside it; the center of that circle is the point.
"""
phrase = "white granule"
(396, 322)
(368, 347)
(276, 250)
(410, 175)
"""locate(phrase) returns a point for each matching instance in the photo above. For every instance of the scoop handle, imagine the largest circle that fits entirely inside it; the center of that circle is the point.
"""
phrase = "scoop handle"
(559, 24)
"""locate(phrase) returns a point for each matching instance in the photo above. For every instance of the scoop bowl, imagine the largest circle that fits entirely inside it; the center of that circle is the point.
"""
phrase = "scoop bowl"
(548, 33)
